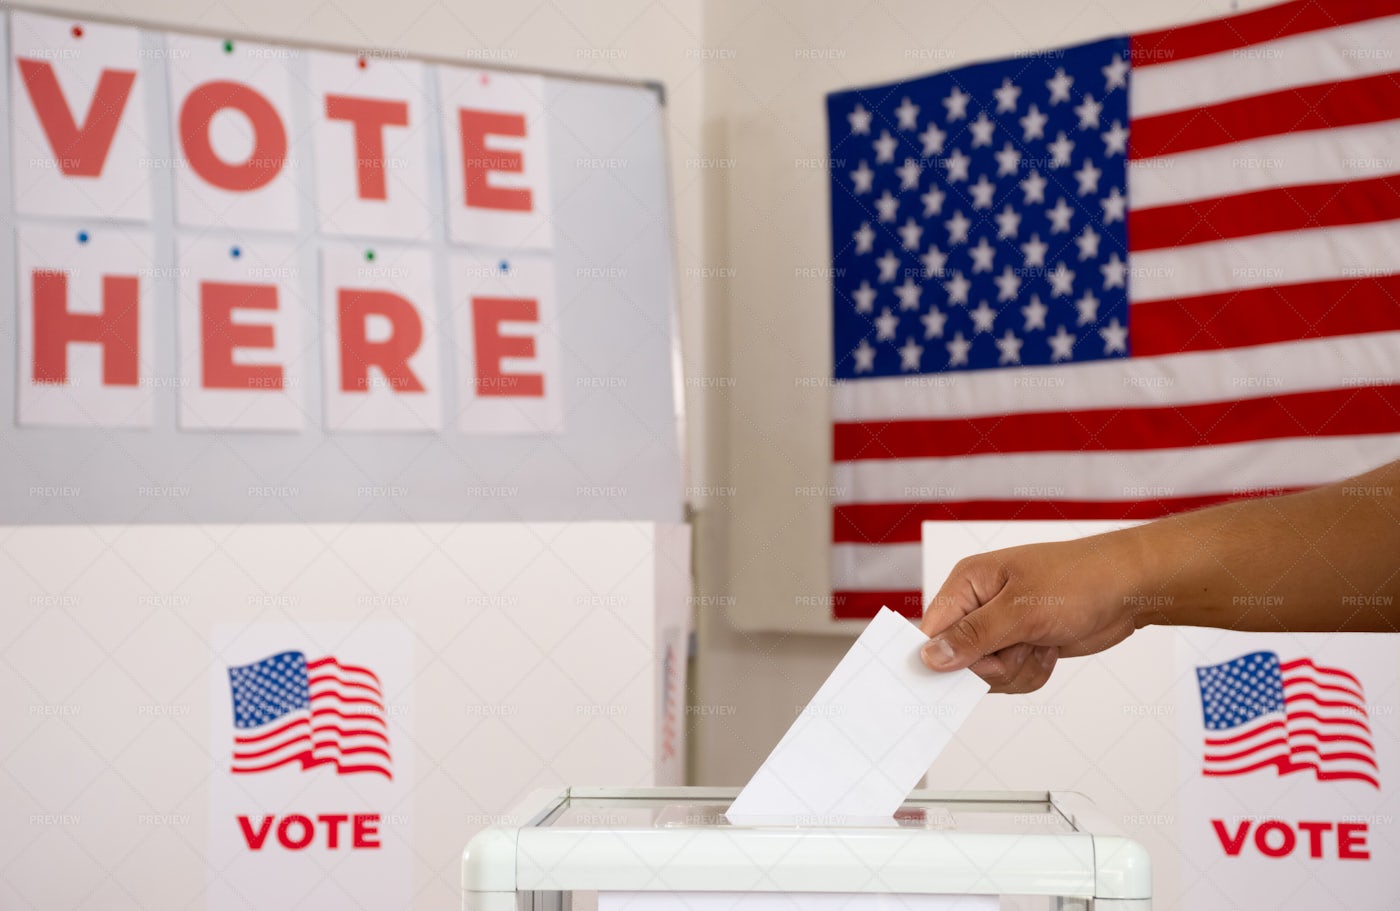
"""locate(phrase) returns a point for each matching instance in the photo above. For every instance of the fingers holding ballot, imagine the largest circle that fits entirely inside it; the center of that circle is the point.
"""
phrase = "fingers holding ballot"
(1010, 615)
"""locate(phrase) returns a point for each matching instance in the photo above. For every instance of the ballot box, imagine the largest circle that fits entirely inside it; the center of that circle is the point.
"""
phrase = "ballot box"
(670, 849)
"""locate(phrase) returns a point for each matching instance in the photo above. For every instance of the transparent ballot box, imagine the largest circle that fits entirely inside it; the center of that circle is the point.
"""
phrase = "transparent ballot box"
(672, 849)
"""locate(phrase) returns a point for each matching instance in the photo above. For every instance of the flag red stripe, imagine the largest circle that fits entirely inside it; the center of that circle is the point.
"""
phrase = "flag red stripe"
(1333, 738)
(1345, 755)
(1370, 99)
(276, 747)
(1325, 703)
(862, 605)
(1217, 35)
(1284, 767)
(349, 668)
(346, 751)
(350, 769)
(352, 732)
(361, 717)
(899, 523)
(295, 757)
(342, 681)
(1323, 738)
(254, 738)
(1308, 663)
(1226, 741)
(1327, 412)
(1279, 762)
(1330, 719)
(347, 692)
(1267, 315)
(351, 700)
(1262, 745)
(1295, 208)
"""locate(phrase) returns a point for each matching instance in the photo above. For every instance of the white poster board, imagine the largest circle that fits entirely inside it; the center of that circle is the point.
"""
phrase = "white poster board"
(1126, 727)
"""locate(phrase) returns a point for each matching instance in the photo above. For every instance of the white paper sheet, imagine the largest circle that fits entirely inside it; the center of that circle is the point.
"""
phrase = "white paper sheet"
(260, 335)
(863, 742)
(371, 176)
(98, 71)
(522, 392)
(106, 374)
(252, 162)
(400, 318)
(505, 204)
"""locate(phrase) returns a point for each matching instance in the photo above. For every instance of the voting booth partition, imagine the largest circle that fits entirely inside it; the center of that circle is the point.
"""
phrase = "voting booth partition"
(445, 671)
(1256, 769)
(342, 490)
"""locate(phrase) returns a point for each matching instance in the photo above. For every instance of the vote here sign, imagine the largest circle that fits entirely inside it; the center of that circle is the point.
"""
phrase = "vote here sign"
(379, 223)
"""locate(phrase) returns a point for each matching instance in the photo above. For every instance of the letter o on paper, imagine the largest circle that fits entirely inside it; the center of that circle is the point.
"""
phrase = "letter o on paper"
(269, 136)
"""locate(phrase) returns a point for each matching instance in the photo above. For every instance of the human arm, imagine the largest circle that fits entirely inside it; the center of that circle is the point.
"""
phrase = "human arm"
(1321, 560)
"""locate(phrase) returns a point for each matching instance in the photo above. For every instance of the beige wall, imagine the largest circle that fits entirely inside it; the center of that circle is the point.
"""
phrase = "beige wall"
(763, 543)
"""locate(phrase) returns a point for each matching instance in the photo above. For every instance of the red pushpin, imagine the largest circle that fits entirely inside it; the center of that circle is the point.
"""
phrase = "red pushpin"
(77, 31)
(362, 63)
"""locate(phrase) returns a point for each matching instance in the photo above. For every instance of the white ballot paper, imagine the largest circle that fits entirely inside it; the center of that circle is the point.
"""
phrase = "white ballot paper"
(861, 744)
(849, 759)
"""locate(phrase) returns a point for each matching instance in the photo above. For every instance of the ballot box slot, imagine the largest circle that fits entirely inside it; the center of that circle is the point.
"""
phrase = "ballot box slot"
(1037, 814)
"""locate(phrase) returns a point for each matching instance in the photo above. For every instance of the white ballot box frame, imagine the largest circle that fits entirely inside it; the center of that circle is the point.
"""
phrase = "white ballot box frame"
(531, 863)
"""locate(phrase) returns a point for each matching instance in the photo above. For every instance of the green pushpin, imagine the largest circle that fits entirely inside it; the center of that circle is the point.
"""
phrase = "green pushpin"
(369, 256)
(228, 47)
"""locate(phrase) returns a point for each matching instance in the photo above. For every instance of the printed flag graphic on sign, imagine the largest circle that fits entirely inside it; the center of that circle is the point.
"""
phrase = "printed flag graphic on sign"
(1294, 717)
(288, 710)
(1114, 281)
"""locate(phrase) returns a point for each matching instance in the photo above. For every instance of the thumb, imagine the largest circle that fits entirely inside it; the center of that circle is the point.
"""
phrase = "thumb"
(987, 629)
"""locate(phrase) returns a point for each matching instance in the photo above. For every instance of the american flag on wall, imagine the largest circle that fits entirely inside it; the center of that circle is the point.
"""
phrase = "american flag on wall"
(1113, 281)
(1291, 717)
(287, 710)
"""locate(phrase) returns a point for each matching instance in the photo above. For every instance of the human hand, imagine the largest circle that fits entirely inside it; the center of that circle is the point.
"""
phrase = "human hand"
(1010, 614)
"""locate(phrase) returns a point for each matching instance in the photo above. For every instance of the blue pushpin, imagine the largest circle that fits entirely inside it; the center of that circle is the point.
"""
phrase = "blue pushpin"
(82, 237)
(235, 252)
(505, 266)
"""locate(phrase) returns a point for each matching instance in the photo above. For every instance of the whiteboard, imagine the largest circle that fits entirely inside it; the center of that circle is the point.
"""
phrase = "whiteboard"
(618, 456)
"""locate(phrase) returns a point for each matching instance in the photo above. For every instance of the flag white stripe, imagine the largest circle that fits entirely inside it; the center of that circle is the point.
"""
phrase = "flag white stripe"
(1256, 740)
(1178, 379)
(1292, 159)
(875, 567)
(1313, 737)
(300, 745)
(1331, 55)
(1249, 740)
(1263, 260)
(347, 676)
(1315, 686)
(1114, 475)
(346, 741)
